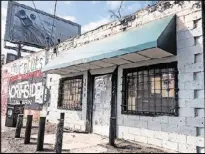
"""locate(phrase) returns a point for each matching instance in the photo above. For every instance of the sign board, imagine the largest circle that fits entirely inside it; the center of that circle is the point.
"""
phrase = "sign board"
(33, 27)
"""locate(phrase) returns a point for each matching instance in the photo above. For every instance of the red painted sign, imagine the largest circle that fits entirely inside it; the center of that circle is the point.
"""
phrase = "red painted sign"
(35, 74)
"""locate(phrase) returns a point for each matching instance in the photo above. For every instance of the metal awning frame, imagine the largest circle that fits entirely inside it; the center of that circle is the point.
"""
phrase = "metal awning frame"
(109, 62)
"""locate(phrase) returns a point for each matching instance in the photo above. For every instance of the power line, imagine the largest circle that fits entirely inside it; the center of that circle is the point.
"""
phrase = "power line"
(38, 15)
(45, 91)
(54, 17)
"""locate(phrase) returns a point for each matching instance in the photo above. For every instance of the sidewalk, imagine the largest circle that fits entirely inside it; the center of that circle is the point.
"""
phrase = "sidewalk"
(78, 142)
(93, 143)
(72, 142)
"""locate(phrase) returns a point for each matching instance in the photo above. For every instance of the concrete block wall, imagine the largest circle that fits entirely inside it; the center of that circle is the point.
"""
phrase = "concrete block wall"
(73, 119)
(181, 134)
(184, 133)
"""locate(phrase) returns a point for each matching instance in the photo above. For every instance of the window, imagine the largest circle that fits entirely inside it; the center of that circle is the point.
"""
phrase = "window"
(150, 90)
(70, 93)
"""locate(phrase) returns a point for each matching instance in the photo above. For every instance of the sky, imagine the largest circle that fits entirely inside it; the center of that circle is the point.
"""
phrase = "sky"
(89, 14)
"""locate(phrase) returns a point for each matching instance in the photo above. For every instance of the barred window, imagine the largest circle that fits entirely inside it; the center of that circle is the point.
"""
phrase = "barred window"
(70, 93)
(150, 90)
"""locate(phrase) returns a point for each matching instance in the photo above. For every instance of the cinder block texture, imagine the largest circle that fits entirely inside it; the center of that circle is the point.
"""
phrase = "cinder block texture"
(183, 132)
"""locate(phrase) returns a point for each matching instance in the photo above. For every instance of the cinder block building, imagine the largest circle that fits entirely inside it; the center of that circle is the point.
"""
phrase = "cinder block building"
(140, 78)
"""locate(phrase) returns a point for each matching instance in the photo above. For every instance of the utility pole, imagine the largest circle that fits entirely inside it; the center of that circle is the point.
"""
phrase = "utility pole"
(19, 51)
(45, 76)
(45, 73)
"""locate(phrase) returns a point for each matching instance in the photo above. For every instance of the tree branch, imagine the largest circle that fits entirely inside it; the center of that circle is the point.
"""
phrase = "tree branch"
(113, 14)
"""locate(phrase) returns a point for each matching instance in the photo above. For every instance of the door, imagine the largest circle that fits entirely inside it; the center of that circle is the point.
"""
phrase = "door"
(102, 104)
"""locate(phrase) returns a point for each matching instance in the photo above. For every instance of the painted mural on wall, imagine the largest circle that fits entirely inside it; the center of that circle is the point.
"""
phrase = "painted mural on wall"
(23, 81)
(27, 88)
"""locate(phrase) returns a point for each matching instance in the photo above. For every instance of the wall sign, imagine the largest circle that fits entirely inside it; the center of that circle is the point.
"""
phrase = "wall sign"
(27, 88)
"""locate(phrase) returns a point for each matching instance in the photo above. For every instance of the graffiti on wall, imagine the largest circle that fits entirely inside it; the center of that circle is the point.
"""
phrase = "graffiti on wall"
(27, 65)
(27, 88)
(23, 81)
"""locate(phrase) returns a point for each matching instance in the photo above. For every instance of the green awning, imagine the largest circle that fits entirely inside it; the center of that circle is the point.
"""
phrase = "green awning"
(155, 39)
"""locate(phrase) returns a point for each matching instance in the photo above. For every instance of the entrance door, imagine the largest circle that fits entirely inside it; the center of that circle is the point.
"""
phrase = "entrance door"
(102, 104)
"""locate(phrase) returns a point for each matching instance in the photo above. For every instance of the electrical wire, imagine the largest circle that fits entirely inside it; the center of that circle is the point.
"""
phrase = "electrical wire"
(45, 91)
(38, 15)
(54, 14)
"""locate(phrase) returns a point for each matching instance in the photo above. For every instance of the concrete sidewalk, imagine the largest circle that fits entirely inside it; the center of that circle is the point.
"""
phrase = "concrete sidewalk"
(73, 142)
(93, 143)
(79, 142)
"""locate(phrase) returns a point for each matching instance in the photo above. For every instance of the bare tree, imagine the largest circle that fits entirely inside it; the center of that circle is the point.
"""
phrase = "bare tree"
(117, 13)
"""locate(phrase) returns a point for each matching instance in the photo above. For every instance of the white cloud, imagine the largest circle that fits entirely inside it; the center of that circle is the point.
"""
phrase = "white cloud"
(93, 25)
(95, 2)
(67, 2)
(71, 18)
(51, 11)
(135, 6)
(113, 4)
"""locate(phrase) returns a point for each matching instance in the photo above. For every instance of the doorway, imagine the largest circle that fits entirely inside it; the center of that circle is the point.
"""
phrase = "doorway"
(102, 94)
